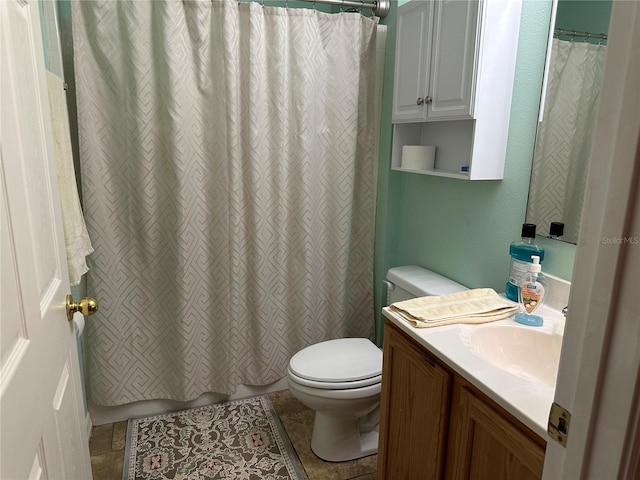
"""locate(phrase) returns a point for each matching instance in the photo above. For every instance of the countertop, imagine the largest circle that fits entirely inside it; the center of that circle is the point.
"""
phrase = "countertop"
(527, 400)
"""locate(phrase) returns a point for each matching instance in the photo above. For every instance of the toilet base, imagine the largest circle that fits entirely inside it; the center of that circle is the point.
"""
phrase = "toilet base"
(339, 439)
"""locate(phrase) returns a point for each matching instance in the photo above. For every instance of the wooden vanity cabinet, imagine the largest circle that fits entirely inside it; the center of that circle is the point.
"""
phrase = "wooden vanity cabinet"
(414, 411)
(486, 442)
(434, 424)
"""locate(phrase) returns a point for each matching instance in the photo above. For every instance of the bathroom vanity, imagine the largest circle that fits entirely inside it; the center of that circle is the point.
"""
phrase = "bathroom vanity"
(451, 408)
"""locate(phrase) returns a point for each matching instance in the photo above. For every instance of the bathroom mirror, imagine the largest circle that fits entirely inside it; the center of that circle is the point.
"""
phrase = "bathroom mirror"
(563, 140)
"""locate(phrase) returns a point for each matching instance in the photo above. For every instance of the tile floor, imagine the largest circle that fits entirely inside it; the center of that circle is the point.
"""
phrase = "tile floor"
(108, 441)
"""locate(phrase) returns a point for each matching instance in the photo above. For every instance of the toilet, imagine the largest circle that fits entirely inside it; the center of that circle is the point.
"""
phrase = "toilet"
(340, 379)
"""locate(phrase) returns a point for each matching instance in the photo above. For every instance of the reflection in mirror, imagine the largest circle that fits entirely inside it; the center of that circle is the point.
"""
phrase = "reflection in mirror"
(563, 141)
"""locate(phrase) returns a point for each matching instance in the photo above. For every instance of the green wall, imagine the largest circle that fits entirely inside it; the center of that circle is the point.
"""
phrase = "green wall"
(388, 196)
(462, 229)
(584, 15)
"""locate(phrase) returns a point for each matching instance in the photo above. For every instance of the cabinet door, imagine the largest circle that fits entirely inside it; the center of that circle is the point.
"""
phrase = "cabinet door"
(485, 444)
(453, 60)
(414, 406)
(413, 52)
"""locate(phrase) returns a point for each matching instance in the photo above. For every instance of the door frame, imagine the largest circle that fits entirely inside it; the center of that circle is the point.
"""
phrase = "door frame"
(599, 376)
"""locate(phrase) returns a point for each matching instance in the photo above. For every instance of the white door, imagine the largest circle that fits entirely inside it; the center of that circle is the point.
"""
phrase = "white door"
(599, 376)
(41, 405)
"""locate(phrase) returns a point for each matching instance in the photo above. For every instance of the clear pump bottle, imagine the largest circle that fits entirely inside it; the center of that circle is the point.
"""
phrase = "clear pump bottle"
(532, 294)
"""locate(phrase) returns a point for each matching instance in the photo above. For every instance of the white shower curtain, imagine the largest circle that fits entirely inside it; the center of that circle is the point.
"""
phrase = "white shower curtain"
(563, 141)
(227, 166)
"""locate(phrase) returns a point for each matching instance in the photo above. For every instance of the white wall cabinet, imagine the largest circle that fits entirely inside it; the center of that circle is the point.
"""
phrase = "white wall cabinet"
(435, 61)
(454, 72)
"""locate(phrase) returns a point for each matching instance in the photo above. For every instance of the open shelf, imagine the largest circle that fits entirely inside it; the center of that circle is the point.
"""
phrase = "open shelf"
(435, 173)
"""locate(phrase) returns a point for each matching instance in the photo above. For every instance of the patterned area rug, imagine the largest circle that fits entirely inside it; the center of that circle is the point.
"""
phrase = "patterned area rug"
(242, 439)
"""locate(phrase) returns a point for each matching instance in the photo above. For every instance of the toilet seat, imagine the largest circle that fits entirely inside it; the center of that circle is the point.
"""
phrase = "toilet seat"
(340, 364)
(365, 382)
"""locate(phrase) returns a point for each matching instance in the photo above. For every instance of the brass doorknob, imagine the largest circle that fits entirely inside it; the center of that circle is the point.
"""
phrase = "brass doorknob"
(86, 306)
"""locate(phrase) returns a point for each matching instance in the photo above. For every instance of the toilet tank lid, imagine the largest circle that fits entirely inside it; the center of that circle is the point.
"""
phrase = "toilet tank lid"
(422, 282)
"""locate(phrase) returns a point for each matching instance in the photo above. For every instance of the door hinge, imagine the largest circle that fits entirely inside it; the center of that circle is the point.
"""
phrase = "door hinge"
(559, 421)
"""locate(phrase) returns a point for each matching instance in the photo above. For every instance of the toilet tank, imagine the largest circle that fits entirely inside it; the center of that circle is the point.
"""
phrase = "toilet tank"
(412, 281)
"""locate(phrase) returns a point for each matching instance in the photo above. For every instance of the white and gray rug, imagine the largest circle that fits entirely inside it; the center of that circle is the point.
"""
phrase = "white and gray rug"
(241, 439)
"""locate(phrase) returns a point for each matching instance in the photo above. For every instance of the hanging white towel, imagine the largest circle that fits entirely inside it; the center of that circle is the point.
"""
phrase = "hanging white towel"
(76, 236)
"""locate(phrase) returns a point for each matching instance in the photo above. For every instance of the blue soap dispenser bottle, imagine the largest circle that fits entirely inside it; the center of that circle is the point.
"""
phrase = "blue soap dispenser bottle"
(532, 294)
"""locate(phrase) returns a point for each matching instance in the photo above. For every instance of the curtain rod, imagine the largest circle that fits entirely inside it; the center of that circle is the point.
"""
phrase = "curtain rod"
(380, 7)
(574, 33)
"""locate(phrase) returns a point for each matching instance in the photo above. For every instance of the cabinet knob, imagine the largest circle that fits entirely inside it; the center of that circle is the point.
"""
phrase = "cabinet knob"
(420, 101)
(427, 99)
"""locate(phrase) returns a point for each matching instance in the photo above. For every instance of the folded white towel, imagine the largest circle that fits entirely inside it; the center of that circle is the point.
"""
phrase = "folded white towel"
(76, 236)
(480, 305)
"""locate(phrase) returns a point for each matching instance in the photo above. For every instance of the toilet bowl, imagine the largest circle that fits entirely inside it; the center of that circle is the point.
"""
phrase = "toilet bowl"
(341, 379)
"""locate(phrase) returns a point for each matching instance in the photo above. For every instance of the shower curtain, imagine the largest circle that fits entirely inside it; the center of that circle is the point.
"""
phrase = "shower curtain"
(228, 176)
(563, 141)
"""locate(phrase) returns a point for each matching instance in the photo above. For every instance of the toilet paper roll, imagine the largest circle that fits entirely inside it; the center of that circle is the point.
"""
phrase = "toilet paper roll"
(418, 157)
(78, 321)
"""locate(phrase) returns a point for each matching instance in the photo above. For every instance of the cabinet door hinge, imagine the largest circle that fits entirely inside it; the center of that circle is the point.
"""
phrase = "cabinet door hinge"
(559, 421)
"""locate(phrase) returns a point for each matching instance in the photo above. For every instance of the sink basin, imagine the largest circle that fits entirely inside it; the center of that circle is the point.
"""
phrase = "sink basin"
(527, 352)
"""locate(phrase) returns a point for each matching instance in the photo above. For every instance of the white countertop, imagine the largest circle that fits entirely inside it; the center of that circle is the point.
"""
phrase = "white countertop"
(527, 400)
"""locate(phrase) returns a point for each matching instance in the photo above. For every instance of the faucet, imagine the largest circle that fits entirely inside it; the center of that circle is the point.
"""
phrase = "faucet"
(565, 310)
